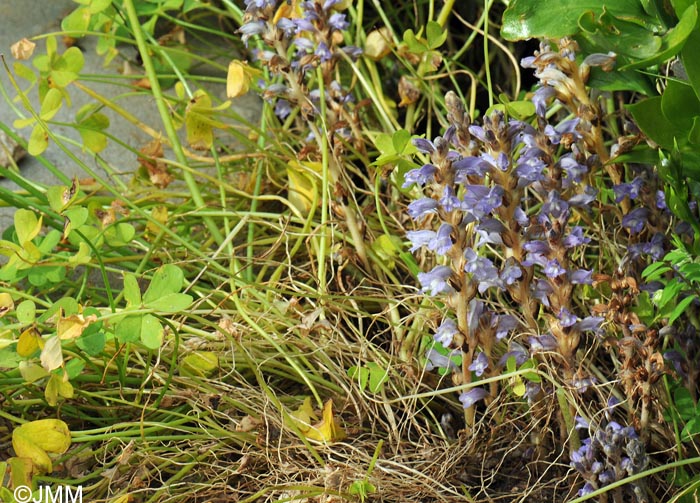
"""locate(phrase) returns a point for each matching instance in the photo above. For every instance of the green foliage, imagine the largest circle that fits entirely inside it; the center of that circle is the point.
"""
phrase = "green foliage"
(679, 291)
(371, 374)
(162, 296)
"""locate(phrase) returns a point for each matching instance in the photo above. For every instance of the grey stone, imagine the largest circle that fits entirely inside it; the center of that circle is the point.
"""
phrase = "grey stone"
(29, 18)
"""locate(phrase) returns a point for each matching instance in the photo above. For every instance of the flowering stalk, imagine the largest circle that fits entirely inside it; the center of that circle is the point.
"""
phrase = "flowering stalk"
(302, 44)
(498, 209)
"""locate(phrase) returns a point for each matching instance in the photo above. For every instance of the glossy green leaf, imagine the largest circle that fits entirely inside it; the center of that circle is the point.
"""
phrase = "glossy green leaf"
(167, 279)
(680, 105)
(690, 56)
(92, 343)
(650, 119)
(27, 225)
(26, 312)
(132, 292)
(414, 45)
(61, 196)
(151, 332)
(91, 125)
(680, 308)
(128, 329)
(399, 140)
(378, 376)
(435, 34)
(38, 141)
(606, 32)
(359, 375)
(691, 429)
(99, 5)
(24, 72)
(170, 303)
(694, 132)
(621, 81)
(684, 403)
(525, 19)
(119, 234)
(77, 21)
(672, 42)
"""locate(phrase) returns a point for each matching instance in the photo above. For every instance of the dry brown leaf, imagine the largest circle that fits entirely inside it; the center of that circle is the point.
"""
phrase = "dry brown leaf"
(23, 49)
(157, 169)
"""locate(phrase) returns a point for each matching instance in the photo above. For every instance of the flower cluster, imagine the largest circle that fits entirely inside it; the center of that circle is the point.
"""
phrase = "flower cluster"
(608, 455)
(299, 38)
(497, 209)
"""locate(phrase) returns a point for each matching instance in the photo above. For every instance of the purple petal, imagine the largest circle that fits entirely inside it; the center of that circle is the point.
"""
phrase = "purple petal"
(469, 398)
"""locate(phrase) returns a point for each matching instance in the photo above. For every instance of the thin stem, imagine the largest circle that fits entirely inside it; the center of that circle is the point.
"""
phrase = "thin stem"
(165, 115)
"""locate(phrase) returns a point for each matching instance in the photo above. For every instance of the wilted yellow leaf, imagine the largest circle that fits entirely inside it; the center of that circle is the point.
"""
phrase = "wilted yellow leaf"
(328, 429)
(29, 341)
(57, 386)
(200, 121)
(20, 471)
(518, 386)
(35, 440)
(22, 49)
(52, 354)
(304, 416)
(377, 44)
(303, 184)
(237, 79)
(6, 304)
(31, 371)
(160, 215)
(199, 363)
(71, 327)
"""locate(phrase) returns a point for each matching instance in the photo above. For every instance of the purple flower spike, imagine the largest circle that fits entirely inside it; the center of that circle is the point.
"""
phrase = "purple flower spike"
(282, 109)
(423, 145)
(251, 28)
(479, 364)
(516, 351)
(530, 170)
(446, 332)
(541, 96)
(556, 133)
(542, 343)
(541, 291)
(419, 176)
(590, 323)
(630, 189)
(511, 273)
(553, 269)
(504, 324)
(566, 318)
(422, 207)
(581, 424)
(467, 166)
(323, 52)
(469, 398)
(575, 238)
(584, 199)
(419, 238)
(586, 489)
(660, 200)
(635, 220)
(442, 242)
(581, 277)
(435, 281)
(338, 22)
(449, 201)
(438, 360)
